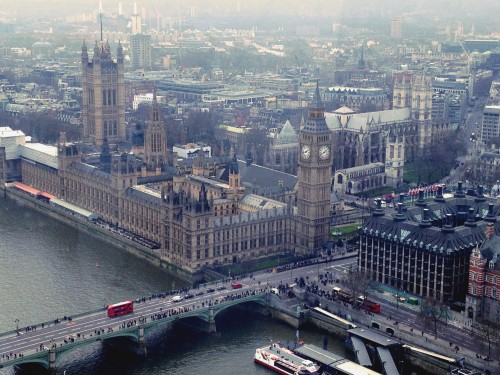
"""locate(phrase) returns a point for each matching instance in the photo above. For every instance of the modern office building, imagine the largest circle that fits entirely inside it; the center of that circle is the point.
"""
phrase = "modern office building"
(490, 125)
(426, 249)
(396, 28)
(140, 51)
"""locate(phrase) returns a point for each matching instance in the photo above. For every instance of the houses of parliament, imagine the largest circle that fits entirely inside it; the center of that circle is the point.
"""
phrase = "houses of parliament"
(199, 219)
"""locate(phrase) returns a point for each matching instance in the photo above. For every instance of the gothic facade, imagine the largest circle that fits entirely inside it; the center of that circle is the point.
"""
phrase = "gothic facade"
(314, 180)
(103, 87)
(362, 138)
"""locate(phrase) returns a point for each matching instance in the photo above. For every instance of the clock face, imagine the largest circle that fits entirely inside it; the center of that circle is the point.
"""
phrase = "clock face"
(306, 152)
(324, 152)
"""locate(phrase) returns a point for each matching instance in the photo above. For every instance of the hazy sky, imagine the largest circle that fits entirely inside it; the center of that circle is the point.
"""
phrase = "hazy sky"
(336, 10)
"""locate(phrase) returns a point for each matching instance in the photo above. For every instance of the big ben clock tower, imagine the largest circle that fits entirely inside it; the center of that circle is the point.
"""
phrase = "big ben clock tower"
(314, 180)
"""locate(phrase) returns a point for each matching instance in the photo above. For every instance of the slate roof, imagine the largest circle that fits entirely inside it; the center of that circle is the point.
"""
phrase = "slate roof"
(262, 180)
(362, 121)
(90, 170)
(407, 229)
(491, 250)
(144, 194)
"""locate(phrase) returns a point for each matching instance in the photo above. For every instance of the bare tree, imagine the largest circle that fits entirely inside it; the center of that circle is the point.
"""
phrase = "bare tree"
(358, 283)
(432, 313)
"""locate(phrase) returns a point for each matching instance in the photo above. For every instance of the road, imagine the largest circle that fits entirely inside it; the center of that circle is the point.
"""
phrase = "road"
(97, 323)
(472, 125)
(406, 315)
(42, 337)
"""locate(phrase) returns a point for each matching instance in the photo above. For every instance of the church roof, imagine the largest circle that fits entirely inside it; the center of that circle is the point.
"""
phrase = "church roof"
(344, 111)
(362, 121)
(287, 134)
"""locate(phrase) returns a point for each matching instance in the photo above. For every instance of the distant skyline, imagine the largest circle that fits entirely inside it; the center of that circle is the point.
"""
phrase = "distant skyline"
(267, 11)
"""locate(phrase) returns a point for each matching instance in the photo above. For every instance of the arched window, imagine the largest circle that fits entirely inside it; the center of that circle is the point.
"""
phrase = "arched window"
(340, 179)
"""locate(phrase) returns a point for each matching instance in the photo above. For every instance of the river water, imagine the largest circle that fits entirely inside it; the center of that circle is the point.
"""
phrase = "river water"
(49, 269)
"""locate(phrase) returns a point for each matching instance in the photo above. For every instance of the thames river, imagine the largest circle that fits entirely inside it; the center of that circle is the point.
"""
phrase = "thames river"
(49, 270)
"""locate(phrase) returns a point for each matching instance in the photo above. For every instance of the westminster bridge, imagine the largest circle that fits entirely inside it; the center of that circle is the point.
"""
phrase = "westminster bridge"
(46, 343)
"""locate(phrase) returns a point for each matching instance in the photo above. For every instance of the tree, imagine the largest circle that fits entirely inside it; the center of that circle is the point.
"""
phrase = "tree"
(358, 283)
(487, 338)
(256, 140)
(201, 126)
(432, 313)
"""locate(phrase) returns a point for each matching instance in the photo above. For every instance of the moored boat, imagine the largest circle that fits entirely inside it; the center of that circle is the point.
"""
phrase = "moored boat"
(283, 361)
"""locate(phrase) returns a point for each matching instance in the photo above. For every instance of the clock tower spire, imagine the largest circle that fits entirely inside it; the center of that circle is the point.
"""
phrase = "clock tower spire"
(314, 180)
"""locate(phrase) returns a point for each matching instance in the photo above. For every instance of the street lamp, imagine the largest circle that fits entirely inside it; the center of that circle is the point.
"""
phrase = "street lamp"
(17, 325)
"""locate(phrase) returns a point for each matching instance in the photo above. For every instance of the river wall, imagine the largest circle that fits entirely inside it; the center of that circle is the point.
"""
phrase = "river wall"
(103, 234)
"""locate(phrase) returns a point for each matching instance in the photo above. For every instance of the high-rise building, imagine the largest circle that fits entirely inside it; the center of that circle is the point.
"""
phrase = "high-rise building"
(396, 28)
(490, 126)
(314, 179)
(103, 86)
(140, 51)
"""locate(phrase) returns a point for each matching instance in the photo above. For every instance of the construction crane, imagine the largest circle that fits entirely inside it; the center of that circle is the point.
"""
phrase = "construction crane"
(469, 58)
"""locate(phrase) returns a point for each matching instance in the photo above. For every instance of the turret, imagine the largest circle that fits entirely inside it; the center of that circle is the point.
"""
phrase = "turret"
(119, 53)
(85, 54)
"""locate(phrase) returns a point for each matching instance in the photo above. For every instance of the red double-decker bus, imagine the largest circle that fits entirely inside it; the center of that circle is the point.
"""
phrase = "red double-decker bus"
(121, 308)
(371, 306)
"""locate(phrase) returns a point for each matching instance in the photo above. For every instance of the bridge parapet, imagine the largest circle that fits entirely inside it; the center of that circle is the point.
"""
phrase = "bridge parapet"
(138, 327)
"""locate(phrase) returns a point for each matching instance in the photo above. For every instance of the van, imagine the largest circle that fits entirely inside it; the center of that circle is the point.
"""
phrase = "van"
(176, 298)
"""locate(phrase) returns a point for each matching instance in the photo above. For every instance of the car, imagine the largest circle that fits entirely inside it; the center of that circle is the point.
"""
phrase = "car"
(176, 298)
(188, 296)
(210, 290)
(199, 293)
(222, 287)
(236, 285)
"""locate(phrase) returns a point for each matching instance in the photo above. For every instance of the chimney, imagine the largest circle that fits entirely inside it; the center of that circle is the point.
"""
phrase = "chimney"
(448, 226)
(490, 230)
(471, 220)
(421, 201)
(490, 216)
(460, 192)
(400, 216)
(425, 223)
(439, 196)
(378, 210)
(480, 196)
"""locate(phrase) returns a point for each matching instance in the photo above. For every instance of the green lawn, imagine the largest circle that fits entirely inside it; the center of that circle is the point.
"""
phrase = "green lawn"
(410, 174)
(256, 265)
(345, 231)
